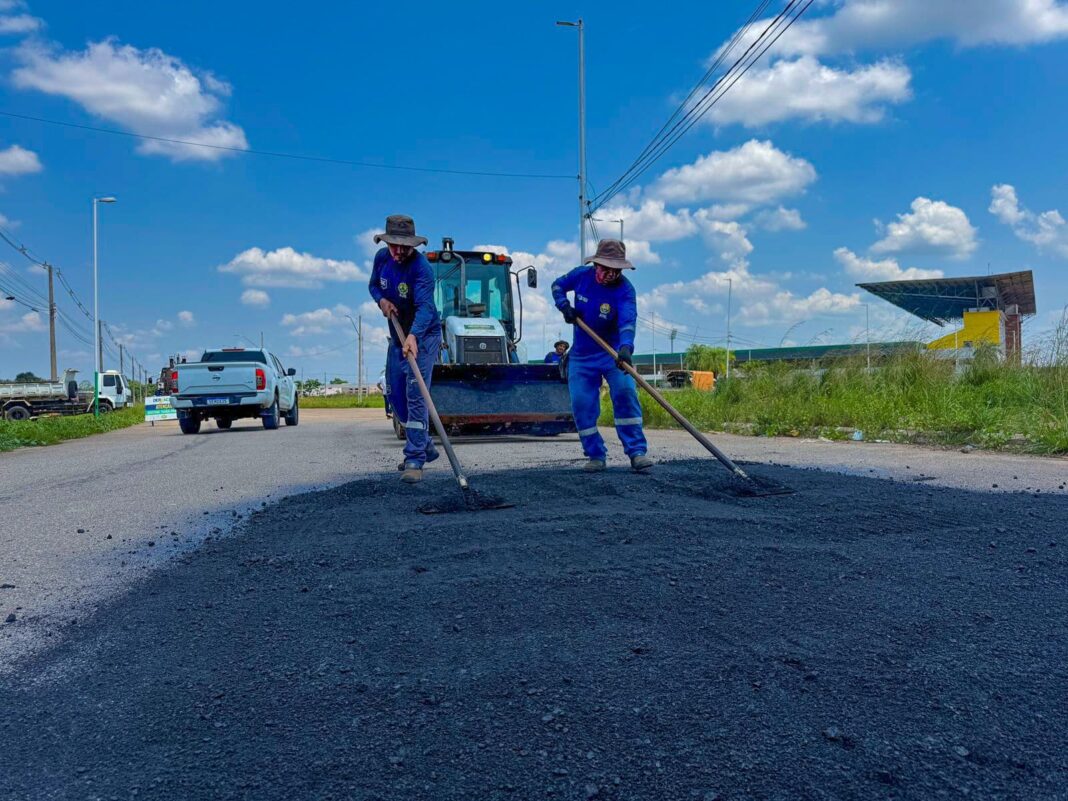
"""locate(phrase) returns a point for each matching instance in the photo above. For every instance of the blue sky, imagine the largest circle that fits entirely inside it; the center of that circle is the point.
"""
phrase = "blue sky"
(870, 143)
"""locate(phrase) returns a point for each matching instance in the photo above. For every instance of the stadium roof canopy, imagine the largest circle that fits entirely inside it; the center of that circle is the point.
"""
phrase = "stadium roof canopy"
(940, 300)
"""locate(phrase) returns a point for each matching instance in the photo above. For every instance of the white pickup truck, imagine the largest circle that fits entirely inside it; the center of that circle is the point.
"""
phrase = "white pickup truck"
(231, 383)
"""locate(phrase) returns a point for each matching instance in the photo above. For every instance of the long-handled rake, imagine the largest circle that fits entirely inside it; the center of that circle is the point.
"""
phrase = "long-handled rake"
(753, 487)
(472, 499)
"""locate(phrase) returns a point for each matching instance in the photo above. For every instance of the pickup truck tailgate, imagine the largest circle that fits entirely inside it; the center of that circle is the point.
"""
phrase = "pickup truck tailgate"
(217, 379)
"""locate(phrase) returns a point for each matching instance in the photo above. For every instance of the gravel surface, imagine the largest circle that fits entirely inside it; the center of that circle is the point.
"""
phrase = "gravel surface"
(615, 636)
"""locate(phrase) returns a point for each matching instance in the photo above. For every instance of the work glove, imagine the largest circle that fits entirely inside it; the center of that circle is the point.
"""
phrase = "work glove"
(570, 313)
(625, 355)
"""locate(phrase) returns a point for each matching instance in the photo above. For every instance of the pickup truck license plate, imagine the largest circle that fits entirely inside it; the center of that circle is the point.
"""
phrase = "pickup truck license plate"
(218, 401)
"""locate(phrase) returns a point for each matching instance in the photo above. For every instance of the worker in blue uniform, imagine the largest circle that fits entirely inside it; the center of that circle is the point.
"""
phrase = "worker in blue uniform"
(605, 301)
(557, 353)
(402, 284)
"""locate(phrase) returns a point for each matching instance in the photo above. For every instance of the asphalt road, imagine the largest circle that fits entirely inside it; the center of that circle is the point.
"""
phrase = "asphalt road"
(610, 637)
(144, 494)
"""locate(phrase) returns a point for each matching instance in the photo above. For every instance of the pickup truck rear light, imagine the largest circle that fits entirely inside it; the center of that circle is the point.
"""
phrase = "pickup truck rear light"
(261, 379)
(174, 381)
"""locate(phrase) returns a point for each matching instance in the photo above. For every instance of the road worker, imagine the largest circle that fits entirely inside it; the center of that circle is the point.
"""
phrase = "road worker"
(556, 355)
(402, 284)
(605, 301)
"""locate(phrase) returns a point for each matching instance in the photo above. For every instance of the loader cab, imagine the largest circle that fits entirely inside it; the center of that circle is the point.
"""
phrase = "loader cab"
(488, 291)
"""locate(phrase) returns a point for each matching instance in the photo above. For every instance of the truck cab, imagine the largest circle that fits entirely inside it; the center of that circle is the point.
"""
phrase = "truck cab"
(115, 390)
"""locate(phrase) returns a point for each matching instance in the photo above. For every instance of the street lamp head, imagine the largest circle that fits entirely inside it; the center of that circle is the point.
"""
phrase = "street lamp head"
(567, 24)
(108, 199)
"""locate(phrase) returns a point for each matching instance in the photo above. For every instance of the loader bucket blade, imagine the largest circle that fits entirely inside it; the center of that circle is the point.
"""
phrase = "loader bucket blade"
(502, 399)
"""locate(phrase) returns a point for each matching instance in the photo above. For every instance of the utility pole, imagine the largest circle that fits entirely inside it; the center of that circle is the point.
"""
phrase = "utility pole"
(261, 340)
(96, 313)
(654, 348)
(121, 371)
(730, 288)
(867, 333)
(359, 364)
(582, 134)
(674, 333)
(52, 323)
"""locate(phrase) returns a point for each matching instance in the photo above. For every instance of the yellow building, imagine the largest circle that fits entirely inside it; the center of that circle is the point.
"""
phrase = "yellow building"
(988, 309)
(980, 328)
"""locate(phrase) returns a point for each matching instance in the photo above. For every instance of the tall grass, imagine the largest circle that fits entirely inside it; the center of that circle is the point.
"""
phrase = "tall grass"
(50, 430)
(342, 402)
(910, 397)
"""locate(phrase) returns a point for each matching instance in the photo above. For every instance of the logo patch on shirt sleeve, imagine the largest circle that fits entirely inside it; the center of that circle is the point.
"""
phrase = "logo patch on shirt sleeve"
(382, 282)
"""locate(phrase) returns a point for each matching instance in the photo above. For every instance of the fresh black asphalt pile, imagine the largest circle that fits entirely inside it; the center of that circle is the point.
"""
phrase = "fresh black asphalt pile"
(611, 637)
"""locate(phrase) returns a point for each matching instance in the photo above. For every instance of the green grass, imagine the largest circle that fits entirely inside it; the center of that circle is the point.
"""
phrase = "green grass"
(342, 402)
(50, 430)
(911, 398)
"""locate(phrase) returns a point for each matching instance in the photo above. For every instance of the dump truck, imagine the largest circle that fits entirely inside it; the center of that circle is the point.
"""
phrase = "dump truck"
(22, 401)
(479, 385)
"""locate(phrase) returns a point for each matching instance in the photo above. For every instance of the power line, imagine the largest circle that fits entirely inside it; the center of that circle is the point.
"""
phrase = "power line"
(283, 155)
(781, 23)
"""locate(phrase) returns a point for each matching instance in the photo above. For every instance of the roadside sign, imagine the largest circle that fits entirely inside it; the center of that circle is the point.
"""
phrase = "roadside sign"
(158, 407)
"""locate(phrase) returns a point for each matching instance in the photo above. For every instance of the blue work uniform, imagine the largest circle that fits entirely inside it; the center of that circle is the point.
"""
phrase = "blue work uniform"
(410, 287)
(552, 357)
(612, 312)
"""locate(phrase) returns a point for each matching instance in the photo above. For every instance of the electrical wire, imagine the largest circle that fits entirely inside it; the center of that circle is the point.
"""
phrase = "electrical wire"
(781, 23)
(283, 155)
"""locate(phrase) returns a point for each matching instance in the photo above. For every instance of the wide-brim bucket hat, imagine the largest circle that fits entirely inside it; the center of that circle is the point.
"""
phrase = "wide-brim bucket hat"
(611, 253)
(561, 342)
(400, 230)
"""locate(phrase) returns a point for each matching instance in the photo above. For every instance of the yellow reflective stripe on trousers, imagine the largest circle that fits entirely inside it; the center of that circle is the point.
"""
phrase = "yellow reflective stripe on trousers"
(586, 432)
(628, 421)
(416, 425)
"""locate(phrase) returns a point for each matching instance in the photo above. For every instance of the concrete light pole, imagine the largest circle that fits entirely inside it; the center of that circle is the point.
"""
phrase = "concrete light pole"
(582, 134)
(359, 355)
(730, 288)
(96, 311)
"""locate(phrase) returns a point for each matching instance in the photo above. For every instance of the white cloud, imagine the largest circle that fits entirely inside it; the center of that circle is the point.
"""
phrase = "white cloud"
(780, 219)
(255, 297)
(933, 226)
(805, 89)
(1045, 230)
(756, 172)
(30, 321)
(559, 257)
(16, 160)
(858, 25)
(18, 24)
(317, 321)
(491, 249)
(366, 241)
(145, 91)
(728, 239)
(787, 306)
(640, 252)
(650, 221)
(186, 318)
(285, 267)
(885, 270)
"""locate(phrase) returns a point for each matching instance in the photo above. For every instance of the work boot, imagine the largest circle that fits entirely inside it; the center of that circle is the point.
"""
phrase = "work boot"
(594, 466)
(431, 456)
(640, 462)
(412, 474)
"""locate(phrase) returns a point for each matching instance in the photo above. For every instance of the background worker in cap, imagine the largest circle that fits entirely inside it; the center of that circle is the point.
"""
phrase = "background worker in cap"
(557, 353)
(605, 301)
(402, 284)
